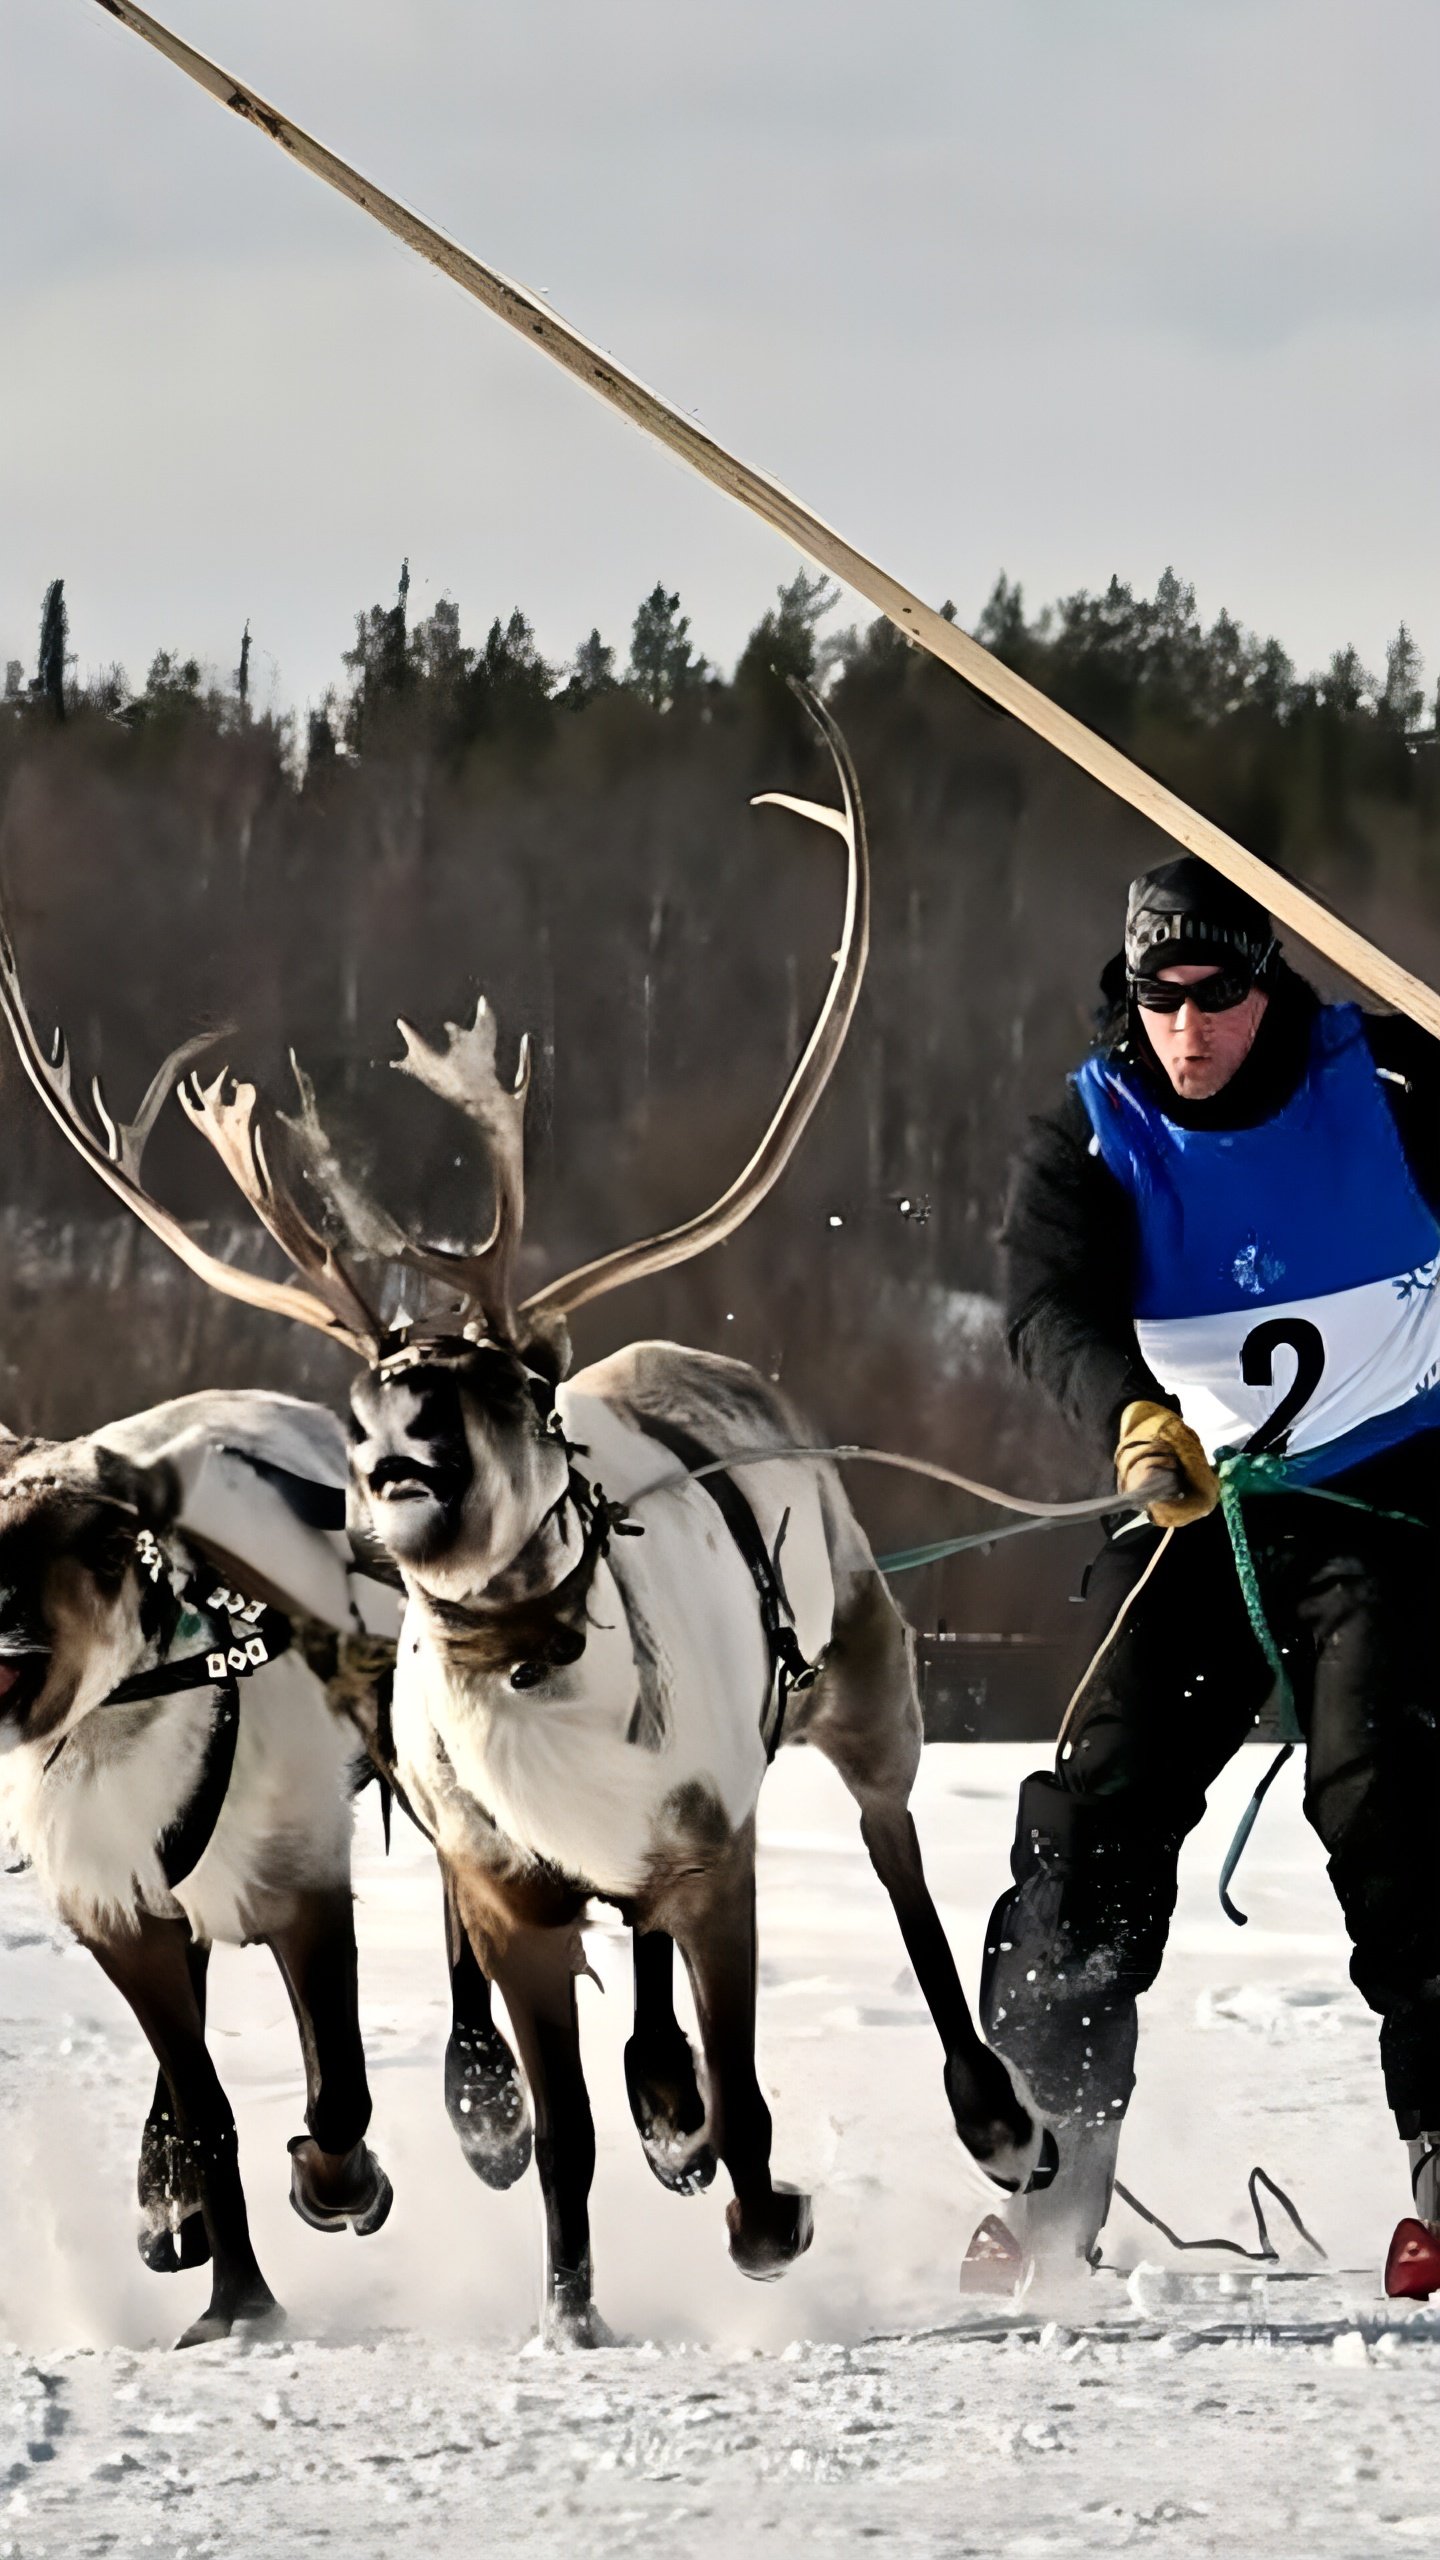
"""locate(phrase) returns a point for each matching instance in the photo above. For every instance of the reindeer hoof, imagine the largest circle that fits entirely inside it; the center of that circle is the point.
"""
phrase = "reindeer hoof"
(571, 2324)
(255, 2310)
(669, 2112)
(574, 2330)
(486, 2102)
(172, 2225)
(766, 2238)
(348, 2192)
(166, 2251)
(999, 2132)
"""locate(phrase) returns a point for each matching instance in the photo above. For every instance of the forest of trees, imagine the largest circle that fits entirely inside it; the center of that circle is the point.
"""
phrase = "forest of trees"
(459, 814)
(1138, 668)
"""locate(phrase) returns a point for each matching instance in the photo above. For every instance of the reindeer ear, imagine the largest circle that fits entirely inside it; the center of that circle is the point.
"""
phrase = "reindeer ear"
(545, 1347)
(154, 1492)
(158, 1495)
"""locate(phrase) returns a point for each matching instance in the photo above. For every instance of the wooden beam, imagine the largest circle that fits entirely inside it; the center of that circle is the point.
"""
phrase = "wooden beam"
(1294, 906)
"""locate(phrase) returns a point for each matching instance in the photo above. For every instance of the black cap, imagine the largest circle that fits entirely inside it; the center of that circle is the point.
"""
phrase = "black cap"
(1188, 912)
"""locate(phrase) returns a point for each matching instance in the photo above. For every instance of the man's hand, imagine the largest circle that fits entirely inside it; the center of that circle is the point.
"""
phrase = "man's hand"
(1156, 1442)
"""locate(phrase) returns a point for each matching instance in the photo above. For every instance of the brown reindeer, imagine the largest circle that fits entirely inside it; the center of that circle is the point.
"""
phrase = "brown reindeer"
(590, 1682)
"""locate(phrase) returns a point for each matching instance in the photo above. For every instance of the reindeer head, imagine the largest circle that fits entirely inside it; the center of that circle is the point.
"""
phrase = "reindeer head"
(78, 1608)
(455, 1464)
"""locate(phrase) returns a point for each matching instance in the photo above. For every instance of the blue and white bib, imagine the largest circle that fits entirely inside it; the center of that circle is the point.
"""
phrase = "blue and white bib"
(1288, 1287)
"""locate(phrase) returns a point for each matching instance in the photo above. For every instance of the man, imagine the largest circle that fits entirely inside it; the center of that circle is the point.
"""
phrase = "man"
(1227, 1236)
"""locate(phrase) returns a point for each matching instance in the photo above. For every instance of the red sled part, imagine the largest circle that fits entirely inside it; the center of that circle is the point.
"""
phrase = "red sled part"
(1412, 2268)
(994, 2261)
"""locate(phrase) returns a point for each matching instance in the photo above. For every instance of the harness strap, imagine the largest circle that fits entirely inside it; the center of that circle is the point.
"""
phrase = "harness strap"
(248, 1634)
(183, 1842)
(789, 1669)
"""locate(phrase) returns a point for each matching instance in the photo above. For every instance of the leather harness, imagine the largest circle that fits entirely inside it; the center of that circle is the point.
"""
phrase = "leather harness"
(246, 1635)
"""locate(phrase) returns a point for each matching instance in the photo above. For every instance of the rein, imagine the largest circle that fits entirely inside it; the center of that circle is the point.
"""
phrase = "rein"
(1241, 1473)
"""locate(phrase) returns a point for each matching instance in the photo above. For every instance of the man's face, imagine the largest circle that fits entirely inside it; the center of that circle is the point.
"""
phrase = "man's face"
(1200, 1052)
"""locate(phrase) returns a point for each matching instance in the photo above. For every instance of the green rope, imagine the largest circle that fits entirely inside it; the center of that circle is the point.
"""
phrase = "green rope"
(910, 1559)
(1242, 1472)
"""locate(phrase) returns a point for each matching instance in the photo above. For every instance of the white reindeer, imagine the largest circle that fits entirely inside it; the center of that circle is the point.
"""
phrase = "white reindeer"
(579, 1711)
(176, 1775)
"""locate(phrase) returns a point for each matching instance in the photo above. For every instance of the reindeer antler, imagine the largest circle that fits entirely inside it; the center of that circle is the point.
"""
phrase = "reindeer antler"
(463, 1072)
(811, 1075)
(116, 1156)
(228, 1113)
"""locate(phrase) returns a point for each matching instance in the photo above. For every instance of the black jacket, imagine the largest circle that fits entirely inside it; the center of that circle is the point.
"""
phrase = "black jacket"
(1069, 1240)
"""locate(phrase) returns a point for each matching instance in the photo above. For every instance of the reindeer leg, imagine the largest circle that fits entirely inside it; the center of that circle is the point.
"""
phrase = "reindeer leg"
(484, 2093)
(714, 1927)
(665, 2098)
(536, 1976)
(149, 1968)
(864, 1715)
(335, 2180)
(991, 2118)
(172, 2226)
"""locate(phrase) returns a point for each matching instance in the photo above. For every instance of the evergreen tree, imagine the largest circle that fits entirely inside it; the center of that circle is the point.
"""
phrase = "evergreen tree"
(1402, 696)
(1271, 687)
(54, 638)
(507, 693)
(172, 689)
(438, 655)
(663, 666)
(321, 746)
(592, 672)
(379, 663)
(785, 640)
(1002, 627)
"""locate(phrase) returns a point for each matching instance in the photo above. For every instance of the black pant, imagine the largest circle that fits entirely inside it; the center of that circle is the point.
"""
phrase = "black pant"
(1354, 1602)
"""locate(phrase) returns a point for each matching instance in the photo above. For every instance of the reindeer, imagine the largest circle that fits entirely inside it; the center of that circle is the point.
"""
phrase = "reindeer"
(580, 1710)
(172, 1769)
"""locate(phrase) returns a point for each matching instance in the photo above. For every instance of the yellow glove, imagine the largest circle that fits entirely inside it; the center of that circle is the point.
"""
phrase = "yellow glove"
(1153, 1440)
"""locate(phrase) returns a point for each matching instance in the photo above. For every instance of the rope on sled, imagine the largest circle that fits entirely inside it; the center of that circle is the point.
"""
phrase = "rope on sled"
(1266, 2254)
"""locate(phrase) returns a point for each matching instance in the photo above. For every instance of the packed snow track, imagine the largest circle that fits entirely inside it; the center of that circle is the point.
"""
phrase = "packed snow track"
(1193, 2406)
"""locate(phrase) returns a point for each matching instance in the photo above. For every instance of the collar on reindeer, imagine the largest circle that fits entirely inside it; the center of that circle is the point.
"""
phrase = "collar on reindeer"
(544, 1634)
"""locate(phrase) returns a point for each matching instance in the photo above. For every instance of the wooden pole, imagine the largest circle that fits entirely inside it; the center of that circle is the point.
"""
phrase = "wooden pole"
(1298, 908)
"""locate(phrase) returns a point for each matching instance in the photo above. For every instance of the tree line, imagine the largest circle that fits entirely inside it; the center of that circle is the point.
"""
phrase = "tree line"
(1130, 665)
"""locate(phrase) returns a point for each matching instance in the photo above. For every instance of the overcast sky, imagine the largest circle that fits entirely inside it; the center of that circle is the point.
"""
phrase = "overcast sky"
(1055, 286)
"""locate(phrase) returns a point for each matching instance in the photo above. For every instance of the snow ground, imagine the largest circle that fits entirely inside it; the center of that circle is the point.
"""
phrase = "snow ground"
(855, 2403)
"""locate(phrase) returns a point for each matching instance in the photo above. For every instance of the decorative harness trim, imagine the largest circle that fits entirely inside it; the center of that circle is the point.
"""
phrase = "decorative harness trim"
(249, 1634)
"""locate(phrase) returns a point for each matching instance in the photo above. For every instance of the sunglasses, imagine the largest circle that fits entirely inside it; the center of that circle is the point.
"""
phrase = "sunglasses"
(1218, 994)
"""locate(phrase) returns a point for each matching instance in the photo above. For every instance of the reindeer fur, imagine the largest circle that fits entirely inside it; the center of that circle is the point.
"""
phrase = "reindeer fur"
(88, 1789)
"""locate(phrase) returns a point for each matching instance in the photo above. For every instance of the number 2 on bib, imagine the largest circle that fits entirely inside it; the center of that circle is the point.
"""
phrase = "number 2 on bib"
(1257, 1368)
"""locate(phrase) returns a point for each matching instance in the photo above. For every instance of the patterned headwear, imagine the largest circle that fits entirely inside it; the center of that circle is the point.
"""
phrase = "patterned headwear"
(1186, 912)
